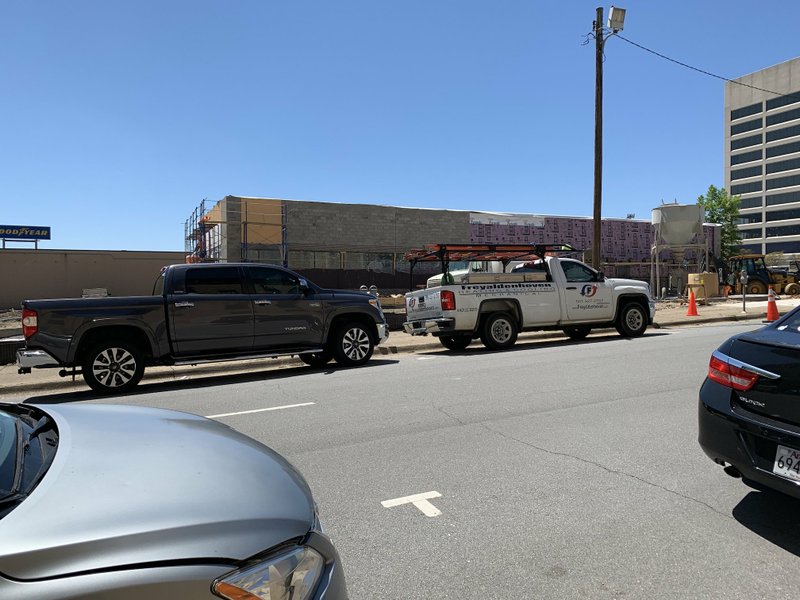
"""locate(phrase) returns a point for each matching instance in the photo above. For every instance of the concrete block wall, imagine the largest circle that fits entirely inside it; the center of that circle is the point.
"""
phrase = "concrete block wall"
(370, 228)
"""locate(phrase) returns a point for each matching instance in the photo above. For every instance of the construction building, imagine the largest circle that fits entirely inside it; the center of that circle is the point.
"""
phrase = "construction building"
(350, 245)
(762, 156)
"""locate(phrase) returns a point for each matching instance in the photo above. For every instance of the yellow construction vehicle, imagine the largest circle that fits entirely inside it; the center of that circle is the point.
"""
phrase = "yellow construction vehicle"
(760, 277)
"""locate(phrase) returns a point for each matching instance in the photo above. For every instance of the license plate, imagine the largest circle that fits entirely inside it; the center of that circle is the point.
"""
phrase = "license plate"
(787, 463)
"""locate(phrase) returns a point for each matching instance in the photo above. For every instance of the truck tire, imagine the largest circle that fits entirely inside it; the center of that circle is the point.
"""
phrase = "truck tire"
(352, 344)
(793, 289)
(756, 287)
(632, 320)
(316, 359)
(577, 333)
(112, 367)
(455, 342)
(499, 331)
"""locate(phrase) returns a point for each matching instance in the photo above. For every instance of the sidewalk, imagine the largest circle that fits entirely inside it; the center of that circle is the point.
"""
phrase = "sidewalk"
(670, 313)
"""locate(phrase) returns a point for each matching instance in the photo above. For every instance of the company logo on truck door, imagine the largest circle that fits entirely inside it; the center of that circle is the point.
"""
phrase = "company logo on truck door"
(589, 290)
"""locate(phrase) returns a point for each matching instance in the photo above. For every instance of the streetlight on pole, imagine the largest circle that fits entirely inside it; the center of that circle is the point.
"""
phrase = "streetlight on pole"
(616, 21)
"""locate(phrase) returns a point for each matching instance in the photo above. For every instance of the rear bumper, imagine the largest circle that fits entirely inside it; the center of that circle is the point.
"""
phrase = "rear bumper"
(652, 307)
(730, 436)
(32, 359)
(426, 326)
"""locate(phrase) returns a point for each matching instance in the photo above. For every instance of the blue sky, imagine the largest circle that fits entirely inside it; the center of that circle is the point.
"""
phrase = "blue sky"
(118, 118)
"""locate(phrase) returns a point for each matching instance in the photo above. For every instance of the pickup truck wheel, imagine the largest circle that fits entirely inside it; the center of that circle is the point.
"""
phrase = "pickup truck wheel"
(632, 320)
(499, 331)
(455, 342)
(577, 333)
(316, 359)
(352, 344)
(112, 367)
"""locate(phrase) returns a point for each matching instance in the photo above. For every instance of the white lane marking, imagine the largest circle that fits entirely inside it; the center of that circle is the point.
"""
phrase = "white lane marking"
(258, 410)
(426, 358)
(418, 500)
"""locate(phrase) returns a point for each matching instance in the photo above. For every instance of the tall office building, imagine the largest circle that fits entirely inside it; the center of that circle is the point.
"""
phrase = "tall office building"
(762, 156)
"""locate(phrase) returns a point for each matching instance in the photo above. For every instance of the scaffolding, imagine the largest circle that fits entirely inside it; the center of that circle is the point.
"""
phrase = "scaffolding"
(202, 237)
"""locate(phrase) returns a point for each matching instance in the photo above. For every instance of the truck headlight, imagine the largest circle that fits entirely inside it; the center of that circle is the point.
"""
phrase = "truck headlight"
(292, 575)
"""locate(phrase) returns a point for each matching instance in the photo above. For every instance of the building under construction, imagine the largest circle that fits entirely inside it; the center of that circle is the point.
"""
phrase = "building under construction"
(350, 245)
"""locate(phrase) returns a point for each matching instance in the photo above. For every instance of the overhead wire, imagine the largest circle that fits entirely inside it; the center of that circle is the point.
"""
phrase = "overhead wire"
(704, 72)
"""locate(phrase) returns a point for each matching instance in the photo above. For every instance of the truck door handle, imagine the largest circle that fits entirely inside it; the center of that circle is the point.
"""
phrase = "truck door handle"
(572, 287)
(184, 304)
(262, 302)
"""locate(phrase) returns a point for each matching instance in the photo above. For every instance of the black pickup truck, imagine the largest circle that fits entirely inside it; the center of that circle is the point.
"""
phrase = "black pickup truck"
(200, 313)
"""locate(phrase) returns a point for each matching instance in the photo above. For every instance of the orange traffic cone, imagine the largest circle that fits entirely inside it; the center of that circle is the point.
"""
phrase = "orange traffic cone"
(772, 307)
(692, 312)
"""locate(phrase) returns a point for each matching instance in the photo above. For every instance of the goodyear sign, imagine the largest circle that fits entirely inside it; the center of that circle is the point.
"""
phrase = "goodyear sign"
(24, 232)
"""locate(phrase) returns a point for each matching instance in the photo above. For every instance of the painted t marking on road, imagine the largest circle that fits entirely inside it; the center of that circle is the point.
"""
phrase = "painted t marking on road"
(418, 500)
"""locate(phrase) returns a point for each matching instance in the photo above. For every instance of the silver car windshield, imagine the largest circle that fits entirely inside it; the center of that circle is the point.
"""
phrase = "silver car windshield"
(8, 452)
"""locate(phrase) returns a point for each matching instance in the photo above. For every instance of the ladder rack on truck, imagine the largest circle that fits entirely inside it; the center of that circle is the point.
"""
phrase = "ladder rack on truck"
(504, 253)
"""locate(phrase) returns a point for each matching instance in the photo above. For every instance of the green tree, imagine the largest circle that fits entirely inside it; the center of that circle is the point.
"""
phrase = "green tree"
(723, 209)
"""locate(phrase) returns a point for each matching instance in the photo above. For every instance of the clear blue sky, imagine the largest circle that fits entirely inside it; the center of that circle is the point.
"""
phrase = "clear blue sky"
(118, 118)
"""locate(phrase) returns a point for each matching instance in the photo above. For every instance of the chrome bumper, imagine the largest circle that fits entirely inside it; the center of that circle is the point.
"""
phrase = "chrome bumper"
(31, 359)
(426, 326)
(383, 332)
(652, 304)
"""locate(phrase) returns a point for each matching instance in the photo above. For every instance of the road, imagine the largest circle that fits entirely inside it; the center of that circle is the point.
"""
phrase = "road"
(558, 469)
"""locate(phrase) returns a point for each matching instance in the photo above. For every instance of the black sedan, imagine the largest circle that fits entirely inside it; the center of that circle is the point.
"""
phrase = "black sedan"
(749, 410)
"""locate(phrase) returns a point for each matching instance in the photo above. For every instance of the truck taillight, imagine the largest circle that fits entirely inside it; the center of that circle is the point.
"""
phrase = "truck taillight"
(730, 376)
(30, 322)
(448, 300)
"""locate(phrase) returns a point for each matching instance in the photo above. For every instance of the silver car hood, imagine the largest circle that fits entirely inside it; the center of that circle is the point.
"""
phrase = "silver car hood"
(131, 485)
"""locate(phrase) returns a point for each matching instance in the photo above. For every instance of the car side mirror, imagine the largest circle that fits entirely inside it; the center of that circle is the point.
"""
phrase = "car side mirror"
(601, 276)
(305, 289)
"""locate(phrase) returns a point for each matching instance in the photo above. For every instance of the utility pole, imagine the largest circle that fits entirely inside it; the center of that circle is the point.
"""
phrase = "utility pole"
(598, 138)
(616, 21)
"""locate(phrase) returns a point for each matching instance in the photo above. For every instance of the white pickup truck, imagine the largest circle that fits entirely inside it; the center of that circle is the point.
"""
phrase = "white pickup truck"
(547, 293)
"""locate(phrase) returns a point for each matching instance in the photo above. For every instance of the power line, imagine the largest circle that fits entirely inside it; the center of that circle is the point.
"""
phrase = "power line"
(677, 62)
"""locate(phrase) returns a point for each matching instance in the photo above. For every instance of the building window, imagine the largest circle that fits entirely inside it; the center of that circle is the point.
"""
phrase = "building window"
(783, 165)
(783, 100)
(745, 111)
(750, 202)
(791, 247)
(782, 182)
(783, 149)
(747, 126)
(744, 173)
(745, 188)
(751, 249)
(746, 157)
(784, 230)
(789, 115)
(783, 215)
(750, 140)
(747, 219)
(781, 134)
(784, 198)
(749, 234)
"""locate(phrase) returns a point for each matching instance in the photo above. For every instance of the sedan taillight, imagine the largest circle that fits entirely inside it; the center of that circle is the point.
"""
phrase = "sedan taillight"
(30, 322)
(721, 371)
